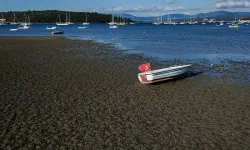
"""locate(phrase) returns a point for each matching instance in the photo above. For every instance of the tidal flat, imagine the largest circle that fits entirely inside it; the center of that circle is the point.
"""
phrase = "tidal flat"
(57, 93)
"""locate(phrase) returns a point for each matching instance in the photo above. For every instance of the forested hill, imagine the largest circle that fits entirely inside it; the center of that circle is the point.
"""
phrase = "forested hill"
(51, 16)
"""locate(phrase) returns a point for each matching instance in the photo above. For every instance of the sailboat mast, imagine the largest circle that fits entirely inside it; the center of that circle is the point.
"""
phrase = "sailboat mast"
(59, 18)
(86, 19)
(69, 17)
(14, 18)
(29, 18)
(66, 17)
(24, 17)
(113, 18)
(120, 18)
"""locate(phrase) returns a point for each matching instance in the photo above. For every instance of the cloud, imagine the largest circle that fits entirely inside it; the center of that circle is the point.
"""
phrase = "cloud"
(169, 2)
(224, 4)
(134, 9)
(150, 9)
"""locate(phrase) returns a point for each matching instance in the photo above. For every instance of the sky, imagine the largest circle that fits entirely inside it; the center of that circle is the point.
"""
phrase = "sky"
(134, 7)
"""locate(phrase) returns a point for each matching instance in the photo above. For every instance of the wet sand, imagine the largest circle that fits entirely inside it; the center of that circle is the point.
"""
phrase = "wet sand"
(57, 93)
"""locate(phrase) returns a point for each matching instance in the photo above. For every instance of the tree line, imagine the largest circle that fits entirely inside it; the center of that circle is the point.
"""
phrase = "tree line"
(52, 16)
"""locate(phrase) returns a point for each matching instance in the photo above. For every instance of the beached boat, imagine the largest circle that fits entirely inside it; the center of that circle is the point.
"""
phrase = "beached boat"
(58, 32)
(152, 76)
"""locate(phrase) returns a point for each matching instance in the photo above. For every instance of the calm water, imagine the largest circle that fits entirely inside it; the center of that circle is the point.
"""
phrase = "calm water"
(165, 42)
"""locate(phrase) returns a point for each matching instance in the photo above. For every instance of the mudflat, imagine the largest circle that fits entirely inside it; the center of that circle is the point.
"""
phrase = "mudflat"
(57, 93)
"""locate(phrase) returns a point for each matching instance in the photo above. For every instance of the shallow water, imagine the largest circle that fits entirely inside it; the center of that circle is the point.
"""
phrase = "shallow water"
(198, 44)
(165, 42)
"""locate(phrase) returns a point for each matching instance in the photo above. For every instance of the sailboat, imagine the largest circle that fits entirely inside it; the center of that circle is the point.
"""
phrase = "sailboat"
(168, 20)
(234, 25)
(133, 22)
(113, 20)
(28, 21)
(184, 21)
(112, 24)
(157, 21)
(14, 23)
(2, 21)
(173, 23)
(14, 20)
(86, 20)
(221, 22)
(24, 25)
(68, 22)
(122, 22)
(60, 23)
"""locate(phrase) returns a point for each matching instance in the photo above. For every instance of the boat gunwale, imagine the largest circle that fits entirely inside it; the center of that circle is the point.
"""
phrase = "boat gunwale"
(164, 69)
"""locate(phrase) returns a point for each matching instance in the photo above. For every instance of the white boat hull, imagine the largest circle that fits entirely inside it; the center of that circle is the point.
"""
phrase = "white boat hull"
(52, 28)
(112, 23)
(85, 23)
(23, 28)
(82, 27)
(62, 24)
(162, 74)
(233, 26)
(113, 27)
(14, 29)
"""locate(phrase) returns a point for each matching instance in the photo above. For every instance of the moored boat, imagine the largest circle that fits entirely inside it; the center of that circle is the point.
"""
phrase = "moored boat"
(234, 25)
(14, 29)
(84, 27)
(86, 20)
(149, 76)
(58, 32)
(62, 24)
(25, 27)
(51, 28)
(113, 26)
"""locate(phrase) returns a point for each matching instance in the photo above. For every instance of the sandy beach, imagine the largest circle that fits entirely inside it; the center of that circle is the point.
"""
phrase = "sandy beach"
(57, 93)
